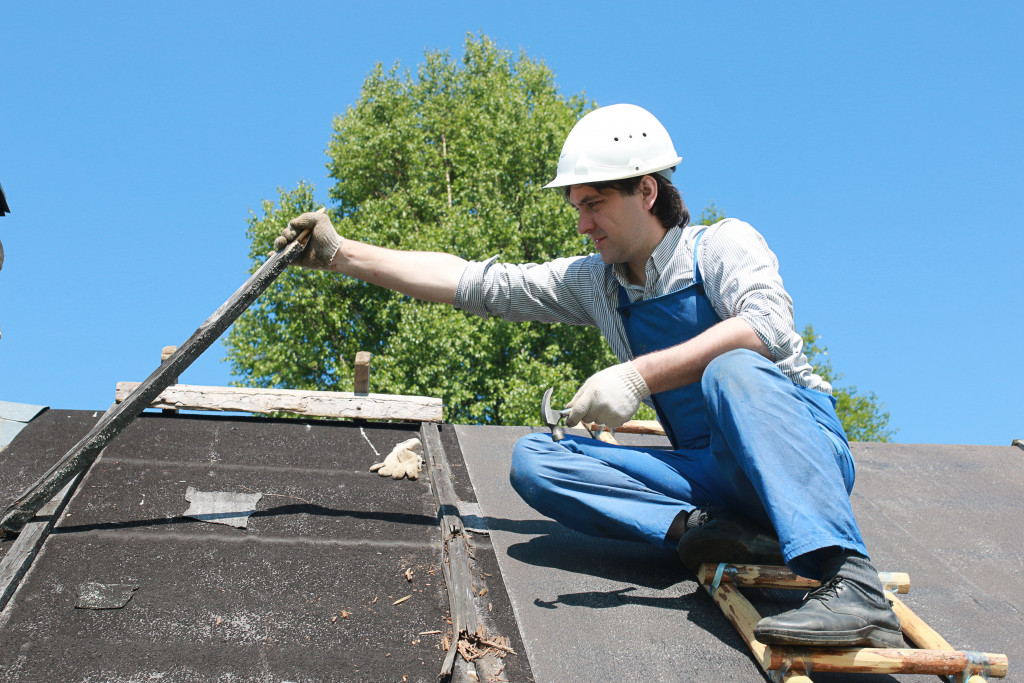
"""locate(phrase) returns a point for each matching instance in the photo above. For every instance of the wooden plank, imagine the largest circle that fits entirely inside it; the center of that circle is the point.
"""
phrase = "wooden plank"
(744, 617)
(456, 569)
(766, 576)
(339, 404)
(642, 427)
(19, 557)
(885, 661)
(362, 372)
(82, 454)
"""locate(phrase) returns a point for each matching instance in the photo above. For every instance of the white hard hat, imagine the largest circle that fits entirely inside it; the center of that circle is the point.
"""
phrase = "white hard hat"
(614, 142)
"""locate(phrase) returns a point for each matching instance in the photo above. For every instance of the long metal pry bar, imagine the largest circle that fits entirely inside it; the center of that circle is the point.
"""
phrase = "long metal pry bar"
(119, 416)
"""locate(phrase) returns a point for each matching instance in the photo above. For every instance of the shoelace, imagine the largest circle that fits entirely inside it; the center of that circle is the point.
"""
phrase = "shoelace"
(829, 589)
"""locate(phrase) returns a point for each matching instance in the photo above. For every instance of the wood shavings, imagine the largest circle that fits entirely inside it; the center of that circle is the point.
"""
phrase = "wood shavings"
(475, 645)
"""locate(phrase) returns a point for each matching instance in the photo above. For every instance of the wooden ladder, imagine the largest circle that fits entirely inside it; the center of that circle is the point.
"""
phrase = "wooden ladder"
(933, 655)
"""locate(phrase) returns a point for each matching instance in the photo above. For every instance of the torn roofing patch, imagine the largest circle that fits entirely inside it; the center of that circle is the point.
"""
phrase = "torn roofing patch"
(95, 595)
(221, 507)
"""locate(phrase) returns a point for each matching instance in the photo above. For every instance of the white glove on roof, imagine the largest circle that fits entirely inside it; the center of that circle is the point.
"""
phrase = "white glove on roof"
(403, 461)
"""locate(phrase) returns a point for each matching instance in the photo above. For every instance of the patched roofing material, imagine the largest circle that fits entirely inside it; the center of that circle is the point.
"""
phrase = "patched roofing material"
(342, 575)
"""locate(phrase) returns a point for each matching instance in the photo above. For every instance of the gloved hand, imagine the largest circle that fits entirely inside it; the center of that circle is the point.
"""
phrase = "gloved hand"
(323, 243)
(609, 397)
(403, 461)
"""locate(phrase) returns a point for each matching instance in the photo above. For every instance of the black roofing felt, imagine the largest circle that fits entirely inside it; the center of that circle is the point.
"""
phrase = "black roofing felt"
(36, 447)
(329, 538)
(306, 593)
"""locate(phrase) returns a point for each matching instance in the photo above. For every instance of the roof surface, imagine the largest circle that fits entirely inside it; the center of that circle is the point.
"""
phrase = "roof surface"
(950, 516)
(312, 590)
(308, 590)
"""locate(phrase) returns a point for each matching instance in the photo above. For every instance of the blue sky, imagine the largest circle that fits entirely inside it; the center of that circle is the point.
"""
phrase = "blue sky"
(877, 146)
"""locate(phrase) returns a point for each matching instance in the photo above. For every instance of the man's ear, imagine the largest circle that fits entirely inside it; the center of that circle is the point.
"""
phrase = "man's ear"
(648, 192)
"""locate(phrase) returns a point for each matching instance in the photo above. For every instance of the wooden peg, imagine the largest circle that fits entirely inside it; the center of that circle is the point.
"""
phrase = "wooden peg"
(362, 372)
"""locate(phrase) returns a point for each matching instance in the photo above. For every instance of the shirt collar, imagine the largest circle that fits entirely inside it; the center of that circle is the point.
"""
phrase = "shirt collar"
(656, 263)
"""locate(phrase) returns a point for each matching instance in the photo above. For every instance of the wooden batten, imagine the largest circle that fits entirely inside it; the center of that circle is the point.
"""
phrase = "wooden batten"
(744, 617)
(767, 576)
(883, 661)
(337, 404)
(642, 427)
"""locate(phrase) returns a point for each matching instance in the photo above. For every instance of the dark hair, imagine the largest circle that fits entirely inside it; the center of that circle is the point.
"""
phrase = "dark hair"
(668, 208)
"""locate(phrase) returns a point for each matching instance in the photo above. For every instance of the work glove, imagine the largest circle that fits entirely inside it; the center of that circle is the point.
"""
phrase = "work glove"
(403, 461)
(323, 243)
(609, 397)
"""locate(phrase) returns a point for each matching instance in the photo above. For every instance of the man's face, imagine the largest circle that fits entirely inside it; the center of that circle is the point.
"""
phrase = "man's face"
(614, 221)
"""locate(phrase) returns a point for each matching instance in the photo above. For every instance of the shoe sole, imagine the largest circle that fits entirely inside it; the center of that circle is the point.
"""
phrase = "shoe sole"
(870, 636)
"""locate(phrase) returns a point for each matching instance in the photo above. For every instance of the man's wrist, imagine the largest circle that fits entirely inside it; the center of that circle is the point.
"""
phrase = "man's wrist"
(635, 380)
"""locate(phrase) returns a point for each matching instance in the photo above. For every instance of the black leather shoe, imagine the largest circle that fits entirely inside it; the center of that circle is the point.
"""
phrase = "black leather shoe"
(836, 614)
(728, 538)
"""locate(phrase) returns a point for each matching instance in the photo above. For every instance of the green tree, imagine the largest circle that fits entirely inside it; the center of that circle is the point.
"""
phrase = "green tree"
(863, 417)
(710, 215)
(452, 159)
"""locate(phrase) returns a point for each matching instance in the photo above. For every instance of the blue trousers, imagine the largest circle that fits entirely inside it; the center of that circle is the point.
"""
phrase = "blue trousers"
(777, 454)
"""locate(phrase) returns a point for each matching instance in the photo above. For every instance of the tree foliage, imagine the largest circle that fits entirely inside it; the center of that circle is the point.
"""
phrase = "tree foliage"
(863, 417)
(452, 158)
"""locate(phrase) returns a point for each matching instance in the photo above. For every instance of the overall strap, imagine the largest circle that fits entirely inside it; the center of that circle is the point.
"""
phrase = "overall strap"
(697, 279)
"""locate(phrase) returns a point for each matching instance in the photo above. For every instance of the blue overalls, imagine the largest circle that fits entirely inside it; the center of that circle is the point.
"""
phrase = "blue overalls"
(745, 437)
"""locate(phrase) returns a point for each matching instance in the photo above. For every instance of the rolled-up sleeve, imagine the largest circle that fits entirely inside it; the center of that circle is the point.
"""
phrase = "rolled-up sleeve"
(741, 277)
(558, 291)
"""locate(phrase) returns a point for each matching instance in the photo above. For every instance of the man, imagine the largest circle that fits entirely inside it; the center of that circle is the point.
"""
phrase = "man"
(704, 331)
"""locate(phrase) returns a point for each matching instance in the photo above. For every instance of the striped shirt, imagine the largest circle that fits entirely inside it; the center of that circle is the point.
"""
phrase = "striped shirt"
(740, 274)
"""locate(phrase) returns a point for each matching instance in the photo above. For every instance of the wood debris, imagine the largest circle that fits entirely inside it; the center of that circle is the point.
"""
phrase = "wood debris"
(475, 645)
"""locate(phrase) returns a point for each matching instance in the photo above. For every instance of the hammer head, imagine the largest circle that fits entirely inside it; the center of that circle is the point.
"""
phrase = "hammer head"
(551, 417)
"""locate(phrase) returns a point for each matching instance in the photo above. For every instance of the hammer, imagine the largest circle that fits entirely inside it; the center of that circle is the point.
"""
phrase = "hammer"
(552, 418)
